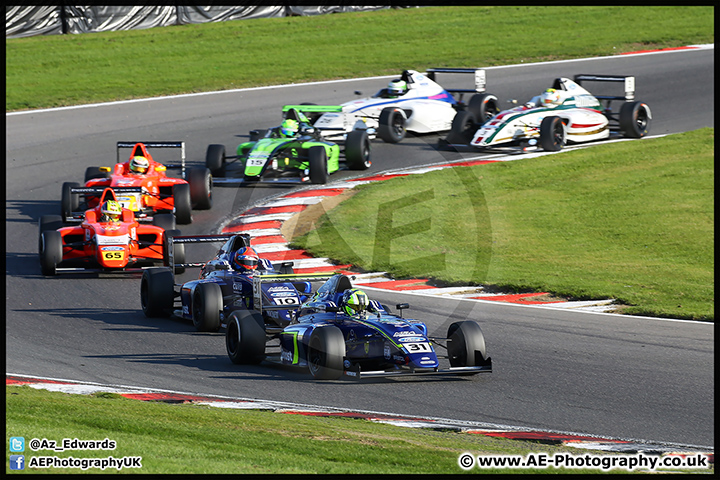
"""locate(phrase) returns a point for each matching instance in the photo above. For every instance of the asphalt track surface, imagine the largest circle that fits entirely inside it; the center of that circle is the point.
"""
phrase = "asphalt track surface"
(600, 374)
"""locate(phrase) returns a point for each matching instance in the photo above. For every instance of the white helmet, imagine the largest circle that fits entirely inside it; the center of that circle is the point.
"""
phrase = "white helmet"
(397, 87)
(550, 98)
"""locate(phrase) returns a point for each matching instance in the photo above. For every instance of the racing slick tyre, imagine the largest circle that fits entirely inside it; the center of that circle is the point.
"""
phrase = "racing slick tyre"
(69, 202)
(552, 134)
(463, 128)
(166, 221)
(466, 344)
(50, 251)
(207, 303)
(483, 106)
(95, 172)
(48, 222)
(183, 205)
(215, 160)
(357, 150)
(157, 292)
(392, 124)
(317, 157)
(635, 118)
(326, 352)
(178, 250)
(245, 337)
(200, 180)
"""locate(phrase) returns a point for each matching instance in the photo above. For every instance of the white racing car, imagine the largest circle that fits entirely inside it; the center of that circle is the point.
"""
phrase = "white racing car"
(414, 102)
(565, 113)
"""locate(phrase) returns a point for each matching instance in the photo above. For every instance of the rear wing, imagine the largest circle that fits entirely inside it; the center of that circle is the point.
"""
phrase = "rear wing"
(479, 73)
(185, 239)
(313, 108)
(258, 280)
(628, 80)
(180, 145)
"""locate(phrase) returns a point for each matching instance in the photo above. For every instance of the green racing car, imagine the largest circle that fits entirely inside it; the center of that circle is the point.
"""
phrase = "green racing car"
(293, 152)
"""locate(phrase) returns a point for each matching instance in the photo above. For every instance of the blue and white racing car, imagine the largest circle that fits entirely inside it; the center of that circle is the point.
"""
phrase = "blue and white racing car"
(333, 335)
(414, 102)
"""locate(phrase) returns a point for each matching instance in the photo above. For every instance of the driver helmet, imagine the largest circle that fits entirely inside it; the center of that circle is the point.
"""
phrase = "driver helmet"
(246, 259)
(289, 127)
(139, 165)
(354, 302)
(550, 98)
(397, 87)
(110, 211)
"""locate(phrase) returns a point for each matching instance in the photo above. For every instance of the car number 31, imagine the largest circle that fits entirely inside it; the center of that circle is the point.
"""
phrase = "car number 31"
(417, 347)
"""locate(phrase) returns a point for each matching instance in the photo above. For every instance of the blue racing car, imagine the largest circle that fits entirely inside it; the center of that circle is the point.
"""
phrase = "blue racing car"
(340, 331)
(234, 279)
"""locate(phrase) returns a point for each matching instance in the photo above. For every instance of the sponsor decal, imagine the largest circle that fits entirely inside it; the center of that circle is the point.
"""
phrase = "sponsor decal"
(280, 288)
(112, 240)
(411, 339)
(405, 333)
(386, 351)
(112, 247)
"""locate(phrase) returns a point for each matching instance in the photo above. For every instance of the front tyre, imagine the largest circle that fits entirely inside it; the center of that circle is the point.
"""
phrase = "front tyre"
(326, 352)
(200, 180)
(207, 303)
(552, 134)
(317, 158)
(357, 150)
(245, 337)
(50, 252)
(392, 124)
(635, 119)
(157, 292)
(466, 344)
(463, 128)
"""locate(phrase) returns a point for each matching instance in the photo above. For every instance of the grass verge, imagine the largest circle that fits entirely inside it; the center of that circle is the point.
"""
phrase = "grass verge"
(182, 438)
(632, 221)
(58, 70)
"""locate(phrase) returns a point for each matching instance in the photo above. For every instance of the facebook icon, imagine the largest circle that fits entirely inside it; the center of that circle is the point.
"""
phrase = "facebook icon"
(17, 462)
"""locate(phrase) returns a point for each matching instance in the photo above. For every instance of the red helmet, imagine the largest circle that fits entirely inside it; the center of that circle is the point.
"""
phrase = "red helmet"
(246, 259)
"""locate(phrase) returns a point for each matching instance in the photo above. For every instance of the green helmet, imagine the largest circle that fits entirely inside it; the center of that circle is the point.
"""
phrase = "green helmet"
(289, 127)
(354, 302)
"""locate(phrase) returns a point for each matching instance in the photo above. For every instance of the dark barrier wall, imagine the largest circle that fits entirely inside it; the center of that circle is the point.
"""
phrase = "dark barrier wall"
(28, 21)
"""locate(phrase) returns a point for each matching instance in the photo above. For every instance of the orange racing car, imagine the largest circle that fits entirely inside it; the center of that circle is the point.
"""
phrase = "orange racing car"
(108, 239)
(159, 192)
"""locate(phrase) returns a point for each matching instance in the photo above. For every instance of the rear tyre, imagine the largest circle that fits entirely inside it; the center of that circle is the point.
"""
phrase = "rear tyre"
(463, 128)
(183, 205)
(357, 150)
(392, 124)
(215, 160)
(483, 106)
(466, 344)
(245, 337)
(50, 252)
(552, 134)
(157, 292)
(200, 180)
(635, 119)
(207, 303)
(69, 202)
(326, 352)
(95, 172)
(166, 221)
(317, 157)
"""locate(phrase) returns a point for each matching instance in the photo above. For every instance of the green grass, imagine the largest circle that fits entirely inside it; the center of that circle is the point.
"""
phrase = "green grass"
(57, 70)
(632, 221)
(186, 438)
